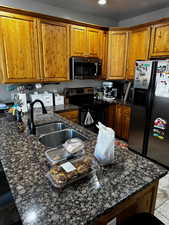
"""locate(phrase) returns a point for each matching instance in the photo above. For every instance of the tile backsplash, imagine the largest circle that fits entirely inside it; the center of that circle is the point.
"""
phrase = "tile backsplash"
(5, 94)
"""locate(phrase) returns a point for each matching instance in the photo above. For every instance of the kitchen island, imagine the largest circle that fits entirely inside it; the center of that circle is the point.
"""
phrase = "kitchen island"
(126, 187)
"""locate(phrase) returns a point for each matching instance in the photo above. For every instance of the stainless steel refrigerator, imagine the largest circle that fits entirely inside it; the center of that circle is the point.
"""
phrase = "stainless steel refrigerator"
(149, 127)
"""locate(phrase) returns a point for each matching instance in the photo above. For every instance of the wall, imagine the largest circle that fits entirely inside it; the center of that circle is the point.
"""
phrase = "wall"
(144, 18)
(5, 95)
(58, 12)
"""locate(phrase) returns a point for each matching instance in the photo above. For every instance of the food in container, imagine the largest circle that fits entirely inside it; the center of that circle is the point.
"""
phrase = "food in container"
(71, 171)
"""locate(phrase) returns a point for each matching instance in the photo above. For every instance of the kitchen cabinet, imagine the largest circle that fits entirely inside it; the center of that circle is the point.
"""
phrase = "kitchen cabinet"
(118, 120)
(122, 121)
(85, 41)
(19, 60)
(125, 122)
(110, 113)
(117, 54)
(94, 42)
(138, 48)
(53, 50)
(160, 40)
(78, 40)
(142, 201)
(104, 55)
(71, 115)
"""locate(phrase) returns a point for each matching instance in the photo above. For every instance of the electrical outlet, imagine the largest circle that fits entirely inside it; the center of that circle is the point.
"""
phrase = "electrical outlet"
(112, 222)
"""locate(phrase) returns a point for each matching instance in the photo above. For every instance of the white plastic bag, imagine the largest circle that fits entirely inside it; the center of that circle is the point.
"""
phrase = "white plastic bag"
(104, 149)
(88, 120)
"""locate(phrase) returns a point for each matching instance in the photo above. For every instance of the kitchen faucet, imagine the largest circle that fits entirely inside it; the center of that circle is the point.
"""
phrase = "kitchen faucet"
(31, 124)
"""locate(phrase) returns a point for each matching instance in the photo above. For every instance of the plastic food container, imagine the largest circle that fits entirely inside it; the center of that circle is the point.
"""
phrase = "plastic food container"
(73, 145)
(60, 175)
(57, 155)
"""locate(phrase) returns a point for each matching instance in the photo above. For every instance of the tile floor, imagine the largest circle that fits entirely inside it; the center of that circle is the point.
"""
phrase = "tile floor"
(162, 202)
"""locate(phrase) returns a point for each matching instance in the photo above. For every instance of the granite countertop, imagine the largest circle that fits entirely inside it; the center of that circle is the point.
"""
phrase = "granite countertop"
(38, 203)
(116, 101)
(63, 108)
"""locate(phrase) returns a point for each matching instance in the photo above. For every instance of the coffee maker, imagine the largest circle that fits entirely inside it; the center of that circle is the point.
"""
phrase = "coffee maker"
(108, 91)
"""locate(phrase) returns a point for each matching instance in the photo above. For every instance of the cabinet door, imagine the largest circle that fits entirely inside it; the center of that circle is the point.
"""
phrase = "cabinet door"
(138, 49)
(54, 50)
(71, 115)
(110, 116)
(160, 40)
(117, 53)
(104, 55)
(78, 41)
(125, 122)
(118, 120)
(94, 38)
(18, 49)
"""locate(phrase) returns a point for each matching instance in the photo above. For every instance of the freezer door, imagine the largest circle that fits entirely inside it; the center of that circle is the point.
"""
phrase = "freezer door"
(158, 145)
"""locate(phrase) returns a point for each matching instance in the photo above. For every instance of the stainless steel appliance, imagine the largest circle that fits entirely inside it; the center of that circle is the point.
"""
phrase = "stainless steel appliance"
(109, 91)
(149, 128)
(84, 68)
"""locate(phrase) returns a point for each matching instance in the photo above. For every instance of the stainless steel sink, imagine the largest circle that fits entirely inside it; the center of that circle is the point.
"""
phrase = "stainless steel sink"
(48, 128)
(58, 138)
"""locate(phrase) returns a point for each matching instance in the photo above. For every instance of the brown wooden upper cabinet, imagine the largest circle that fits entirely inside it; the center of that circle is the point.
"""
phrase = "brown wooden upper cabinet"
(117, 54)
(138, 49)
(94, 41)
(18, 49)
(160, 40)
(104, 55)
(78, 40)
(53, 50)
(86, 41)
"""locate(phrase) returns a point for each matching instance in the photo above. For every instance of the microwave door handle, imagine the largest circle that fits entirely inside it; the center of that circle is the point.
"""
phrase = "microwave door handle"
(96, 70)
(73, 69)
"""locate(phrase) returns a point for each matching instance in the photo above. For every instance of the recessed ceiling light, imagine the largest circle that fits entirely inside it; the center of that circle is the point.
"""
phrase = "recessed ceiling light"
(102, 2)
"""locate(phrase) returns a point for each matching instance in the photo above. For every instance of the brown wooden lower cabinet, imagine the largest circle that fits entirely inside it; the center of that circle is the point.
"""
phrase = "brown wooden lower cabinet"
(110, 115)
(71, 115)
(118, 118)
(142, 201)
(125, 122)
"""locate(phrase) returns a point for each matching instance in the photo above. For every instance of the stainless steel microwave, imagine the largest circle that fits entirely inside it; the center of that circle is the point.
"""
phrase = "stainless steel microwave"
(84, 68)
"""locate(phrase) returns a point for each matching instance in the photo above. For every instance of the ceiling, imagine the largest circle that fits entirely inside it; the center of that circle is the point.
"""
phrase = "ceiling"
(115, 9)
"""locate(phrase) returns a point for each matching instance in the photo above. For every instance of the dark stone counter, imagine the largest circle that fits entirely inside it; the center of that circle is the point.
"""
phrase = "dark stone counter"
(24, 162)
(63, 108)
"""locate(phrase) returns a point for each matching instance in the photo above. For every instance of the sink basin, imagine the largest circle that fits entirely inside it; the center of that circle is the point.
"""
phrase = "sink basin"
(48, 128)
(58, 138)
